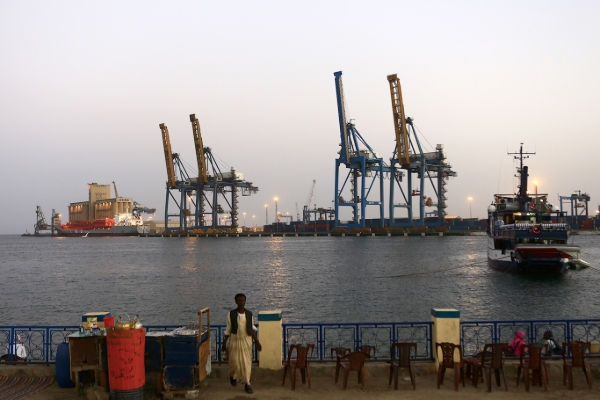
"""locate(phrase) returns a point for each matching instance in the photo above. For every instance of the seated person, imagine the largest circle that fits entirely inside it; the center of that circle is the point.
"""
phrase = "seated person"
(553, 347)
(516, 345)
(17, 349)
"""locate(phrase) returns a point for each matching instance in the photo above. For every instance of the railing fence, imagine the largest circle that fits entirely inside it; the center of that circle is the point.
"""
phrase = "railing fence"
(40, 342)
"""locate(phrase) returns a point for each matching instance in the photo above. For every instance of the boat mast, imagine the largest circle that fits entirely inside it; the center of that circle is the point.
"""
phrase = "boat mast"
(522, 174)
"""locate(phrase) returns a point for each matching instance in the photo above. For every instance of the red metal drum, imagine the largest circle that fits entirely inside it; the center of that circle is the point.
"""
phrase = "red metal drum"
(125, 350)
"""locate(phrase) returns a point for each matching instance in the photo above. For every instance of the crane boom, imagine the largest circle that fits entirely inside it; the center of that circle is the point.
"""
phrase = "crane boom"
(345, 140)
(312, 191)
(168, 155)
(116, 193)
(202, 175)
(399, 120)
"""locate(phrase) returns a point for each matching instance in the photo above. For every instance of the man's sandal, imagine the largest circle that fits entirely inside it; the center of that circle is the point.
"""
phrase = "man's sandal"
(248, 389)
(232, 381)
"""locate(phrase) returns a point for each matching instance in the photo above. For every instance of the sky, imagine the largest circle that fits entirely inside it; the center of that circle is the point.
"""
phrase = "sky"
(85, 85)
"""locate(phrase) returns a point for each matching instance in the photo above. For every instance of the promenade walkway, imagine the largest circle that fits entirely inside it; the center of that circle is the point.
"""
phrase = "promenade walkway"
(267, 385)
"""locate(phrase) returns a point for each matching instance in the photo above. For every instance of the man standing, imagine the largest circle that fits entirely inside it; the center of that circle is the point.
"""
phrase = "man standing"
(241, 329)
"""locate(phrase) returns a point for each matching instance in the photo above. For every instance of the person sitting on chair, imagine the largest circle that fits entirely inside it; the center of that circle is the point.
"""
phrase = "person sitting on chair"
(553, 347)
(516, 345)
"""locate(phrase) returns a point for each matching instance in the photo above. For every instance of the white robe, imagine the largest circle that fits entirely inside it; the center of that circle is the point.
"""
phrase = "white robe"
(240, 350)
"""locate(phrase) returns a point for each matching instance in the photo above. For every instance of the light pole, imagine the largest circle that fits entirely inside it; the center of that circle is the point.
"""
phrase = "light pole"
(244, 220)
(254, 221)
(266, 214)
(276, 213)
(535, 183)
(470, 201)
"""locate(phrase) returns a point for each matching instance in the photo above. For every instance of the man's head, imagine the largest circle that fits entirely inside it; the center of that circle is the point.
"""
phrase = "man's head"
(547, 335)
(240, 300)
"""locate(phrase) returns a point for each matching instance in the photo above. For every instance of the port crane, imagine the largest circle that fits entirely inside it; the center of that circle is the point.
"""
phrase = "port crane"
(203, 196)
(365, 170)
(305, 210)
(408, 159)
(40, 222)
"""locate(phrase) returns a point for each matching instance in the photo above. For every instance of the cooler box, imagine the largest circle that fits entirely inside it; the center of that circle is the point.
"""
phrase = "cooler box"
(95, 318)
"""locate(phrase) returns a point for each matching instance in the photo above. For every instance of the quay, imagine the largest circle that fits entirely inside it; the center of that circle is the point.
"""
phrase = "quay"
(312, 234)
(445, 325)
(267, 385)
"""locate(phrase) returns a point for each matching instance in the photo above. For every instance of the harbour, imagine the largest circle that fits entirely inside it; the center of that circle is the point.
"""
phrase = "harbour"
(312, 279)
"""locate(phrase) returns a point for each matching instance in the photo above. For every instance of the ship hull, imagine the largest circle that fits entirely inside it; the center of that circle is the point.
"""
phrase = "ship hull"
(540, 259)
(112, 231)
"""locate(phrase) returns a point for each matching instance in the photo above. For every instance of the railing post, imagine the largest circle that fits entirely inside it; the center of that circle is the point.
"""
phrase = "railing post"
(271, 339)
(48, 344)
(446, 327)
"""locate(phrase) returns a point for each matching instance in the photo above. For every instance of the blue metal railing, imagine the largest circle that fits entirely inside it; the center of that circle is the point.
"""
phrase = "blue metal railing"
(37, 343)
(475, 334)
(40, 342)
(356, 335)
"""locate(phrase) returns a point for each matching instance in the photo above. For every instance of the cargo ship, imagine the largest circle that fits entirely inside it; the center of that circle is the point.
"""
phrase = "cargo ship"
(522, 235)
(122, 225)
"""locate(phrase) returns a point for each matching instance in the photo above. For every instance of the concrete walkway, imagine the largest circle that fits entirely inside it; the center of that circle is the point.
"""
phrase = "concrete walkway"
(267, 385)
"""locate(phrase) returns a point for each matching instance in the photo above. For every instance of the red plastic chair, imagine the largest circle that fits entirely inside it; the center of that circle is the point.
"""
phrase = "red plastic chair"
(497, 351)
(339, 353)
(354, 361)
(535, 363)
(447, 361)
(300, 362)
(405, 360)
(577, 361)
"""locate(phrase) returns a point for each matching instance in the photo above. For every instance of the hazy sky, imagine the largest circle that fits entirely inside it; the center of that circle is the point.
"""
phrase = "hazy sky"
(84, 86)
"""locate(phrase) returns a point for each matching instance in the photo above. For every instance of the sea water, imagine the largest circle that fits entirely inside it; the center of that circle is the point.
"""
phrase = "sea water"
(53, 281)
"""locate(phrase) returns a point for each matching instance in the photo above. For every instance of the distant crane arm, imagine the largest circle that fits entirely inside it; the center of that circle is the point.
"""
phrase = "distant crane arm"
(345, 139)
(116, 192)
(402, 143)
(202, 174)
(310, 194)
(168, 155)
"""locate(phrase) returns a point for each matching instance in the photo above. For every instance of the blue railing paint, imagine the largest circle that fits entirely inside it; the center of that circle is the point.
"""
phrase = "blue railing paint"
(41, 342)
(475, 334)
(355, 335)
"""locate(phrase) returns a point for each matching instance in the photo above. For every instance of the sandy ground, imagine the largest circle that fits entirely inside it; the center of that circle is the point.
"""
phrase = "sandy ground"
(267, 385)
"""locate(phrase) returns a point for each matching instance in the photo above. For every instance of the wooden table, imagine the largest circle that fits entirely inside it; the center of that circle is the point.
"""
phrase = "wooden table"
(88, 353)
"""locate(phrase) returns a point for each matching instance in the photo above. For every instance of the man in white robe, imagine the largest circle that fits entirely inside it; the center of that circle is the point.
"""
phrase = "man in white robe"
(240, 331)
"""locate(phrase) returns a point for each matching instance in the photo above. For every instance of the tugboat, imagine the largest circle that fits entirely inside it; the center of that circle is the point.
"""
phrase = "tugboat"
(522, 235)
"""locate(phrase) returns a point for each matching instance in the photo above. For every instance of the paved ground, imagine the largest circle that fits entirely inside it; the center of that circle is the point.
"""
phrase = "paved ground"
(267, 386)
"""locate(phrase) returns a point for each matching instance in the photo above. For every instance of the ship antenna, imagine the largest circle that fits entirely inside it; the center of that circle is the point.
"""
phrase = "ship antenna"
(522, 175)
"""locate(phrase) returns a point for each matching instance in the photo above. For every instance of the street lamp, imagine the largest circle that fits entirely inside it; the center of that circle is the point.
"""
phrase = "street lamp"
(266, 214)
(254, 221)
(244, 219)
(470, 201)
(276, 213)
(535, 183)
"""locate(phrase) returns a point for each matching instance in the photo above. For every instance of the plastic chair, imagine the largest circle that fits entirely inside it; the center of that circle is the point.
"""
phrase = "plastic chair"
(405, 360)
(497, 351)
(339, 353)
(535, 363)
(448, 362)
(369, 349)
(300, 362)
(354, 361)
(577, 361)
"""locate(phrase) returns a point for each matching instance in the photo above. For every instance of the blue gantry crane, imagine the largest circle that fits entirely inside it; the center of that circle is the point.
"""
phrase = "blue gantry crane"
(365, 170)
(201, 199)
(409, 159)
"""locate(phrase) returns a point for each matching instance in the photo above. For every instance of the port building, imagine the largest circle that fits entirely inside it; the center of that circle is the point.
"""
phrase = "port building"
(99, 204)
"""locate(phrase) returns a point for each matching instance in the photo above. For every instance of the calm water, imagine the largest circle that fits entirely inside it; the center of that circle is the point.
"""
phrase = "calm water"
(167, 280)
